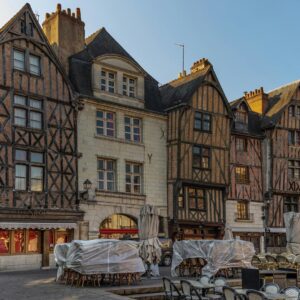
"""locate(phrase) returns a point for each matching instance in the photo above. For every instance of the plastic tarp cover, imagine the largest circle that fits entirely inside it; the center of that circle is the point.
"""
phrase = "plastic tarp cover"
(292, 224)
(218, 254)
(100, 256)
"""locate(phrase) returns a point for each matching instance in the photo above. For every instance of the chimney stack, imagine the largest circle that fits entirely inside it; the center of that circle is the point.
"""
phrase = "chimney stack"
(65, 32)
(257, 100)
(200, 65)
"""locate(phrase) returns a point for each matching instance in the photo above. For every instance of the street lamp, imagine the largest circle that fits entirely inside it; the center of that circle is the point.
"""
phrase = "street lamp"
(87, 184)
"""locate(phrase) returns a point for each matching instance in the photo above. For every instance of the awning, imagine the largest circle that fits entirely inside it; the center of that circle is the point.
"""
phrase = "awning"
(248, 229)
(17, 225)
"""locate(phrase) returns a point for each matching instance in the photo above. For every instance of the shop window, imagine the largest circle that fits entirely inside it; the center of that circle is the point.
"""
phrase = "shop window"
(4, 241)
(33, 244)
(62, 237)
(19, 241)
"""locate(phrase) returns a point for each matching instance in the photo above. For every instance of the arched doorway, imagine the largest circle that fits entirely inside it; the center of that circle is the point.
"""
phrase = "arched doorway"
(119, 226)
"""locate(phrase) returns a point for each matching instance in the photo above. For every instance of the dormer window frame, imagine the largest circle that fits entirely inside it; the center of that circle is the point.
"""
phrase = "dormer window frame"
(129, 88)
(107, 77)
(241, 118)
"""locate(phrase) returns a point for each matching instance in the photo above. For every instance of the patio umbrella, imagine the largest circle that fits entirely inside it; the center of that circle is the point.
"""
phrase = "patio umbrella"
(150, 247)
(228, 235)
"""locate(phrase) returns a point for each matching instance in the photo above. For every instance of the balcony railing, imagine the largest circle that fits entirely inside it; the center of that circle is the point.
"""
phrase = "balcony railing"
(245, 218)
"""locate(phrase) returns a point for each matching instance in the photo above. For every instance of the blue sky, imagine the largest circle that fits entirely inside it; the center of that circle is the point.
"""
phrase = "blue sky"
(250, 43)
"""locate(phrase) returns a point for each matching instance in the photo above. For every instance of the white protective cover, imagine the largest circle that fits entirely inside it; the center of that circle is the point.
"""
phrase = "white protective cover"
(100, 256)
(218, 254)
(292, 224)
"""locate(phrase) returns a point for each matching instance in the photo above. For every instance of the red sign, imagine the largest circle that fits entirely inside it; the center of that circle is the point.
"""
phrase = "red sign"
(119, 231)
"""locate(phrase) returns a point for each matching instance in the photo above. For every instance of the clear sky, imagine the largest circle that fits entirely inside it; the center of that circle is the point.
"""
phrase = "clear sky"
(250, 43)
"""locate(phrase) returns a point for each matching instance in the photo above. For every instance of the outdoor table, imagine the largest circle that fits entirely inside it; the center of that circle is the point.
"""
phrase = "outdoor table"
(267, 295)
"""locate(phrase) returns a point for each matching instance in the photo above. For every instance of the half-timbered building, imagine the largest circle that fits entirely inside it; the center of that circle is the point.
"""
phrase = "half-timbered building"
(244, 207)
(121, 129)
(38, 154)
(198, 144)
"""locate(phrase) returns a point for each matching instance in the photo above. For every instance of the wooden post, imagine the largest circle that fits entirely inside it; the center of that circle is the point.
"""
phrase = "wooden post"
(45, 248)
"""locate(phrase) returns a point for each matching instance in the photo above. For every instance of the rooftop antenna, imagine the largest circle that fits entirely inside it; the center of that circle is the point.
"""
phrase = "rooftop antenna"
(182, 46)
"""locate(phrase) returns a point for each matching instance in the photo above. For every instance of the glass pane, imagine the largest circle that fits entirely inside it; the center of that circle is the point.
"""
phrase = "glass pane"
(110, 176)
(4, 241)
(100, 175)
(19, 55)
(110, 132)
(34, 60)
(19, 240)
(127, 136)
(21, 155)
(110, 116)
(33, 241)
(136, 122)
(99, 114)
(19, 60)
(103, 73)
(110, 125)
(136, 169)
(127, 120)
(34, 70)
(37, 172)
(19, 100)
(197, 150)
(137, 179)
(128, 179)
(137, 189)
(21, 113)
(136, 138)
(35, 120)
(35, 103)
(111, 75)
(198, 124)
(21, 171)
(128, 170)
(100, 164)
(110, 165)
(110, 186)
(99, 123)
(128, 188)
(37, 157)
(36, 185)
(101, 185)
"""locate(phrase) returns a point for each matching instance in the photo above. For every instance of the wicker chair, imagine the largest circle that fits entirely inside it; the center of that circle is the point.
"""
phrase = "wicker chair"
(189, 292)
(255, 295)
(230, 294)
(171, 291)
(271, 262)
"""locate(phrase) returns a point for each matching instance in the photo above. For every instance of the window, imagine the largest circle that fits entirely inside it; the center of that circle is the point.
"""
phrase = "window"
(19, 241)
(202, 121)
(106, 174)
(201, 157)
(33, 244)
(241, 120)
(241, 144)
(133, 129)
(108, 81)
(28, 112)
(19, 60)
(294, 111)
(27, 62)
(294, 137)
(294, 169)
(4, 241)
(291, 204)
(242, 210)
(105, 123)
(242, 175)
(29, 169)
(129, 86)
(196, 199)
(34, 65)
(133, 178)
(181, 199)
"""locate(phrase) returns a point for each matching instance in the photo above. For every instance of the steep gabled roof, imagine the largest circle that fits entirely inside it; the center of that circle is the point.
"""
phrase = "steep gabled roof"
(101, 43)
(181, 90)
(279, 98)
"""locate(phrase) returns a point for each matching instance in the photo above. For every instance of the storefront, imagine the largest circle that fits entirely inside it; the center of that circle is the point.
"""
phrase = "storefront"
(31, 245)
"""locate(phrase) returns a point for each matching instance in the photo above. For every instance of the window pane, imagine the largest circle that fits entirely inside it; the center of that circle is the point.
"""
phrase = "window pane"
(33, 241)
(37, 172)
(19, 100)
(36, 179)
(21, 155)
(35, 103)
(19, 241)
(19, 60)
(35, 120)
(20, 177)
(20, 116)
(34, 64)
(36, 157)
(4, 241)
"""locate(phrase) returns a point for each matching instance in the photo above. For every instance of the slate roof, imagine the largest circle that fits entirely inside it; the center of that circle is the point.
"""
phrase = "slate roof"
(100, 43)
(254, 120)
(181, 90)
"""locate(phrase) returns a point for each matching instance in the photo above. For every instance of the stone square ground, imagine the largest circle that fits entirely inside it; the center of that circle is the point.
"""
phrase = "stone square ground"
(41, 285)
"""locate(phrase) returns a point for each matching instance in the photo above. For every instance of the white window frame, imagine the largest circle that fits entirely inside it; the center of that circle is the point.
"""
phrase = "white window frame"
(131, 175)
(129, 129)
(105, 171)
(129, 86)
(107, 83)
(105, 120)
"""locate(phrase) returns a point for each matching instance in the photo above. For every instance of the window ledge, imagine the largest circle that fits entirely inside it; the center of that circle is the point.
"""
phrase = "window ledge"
(118, 140)
(118, 95)
(119, 194)
(249, 220)
(27, 73)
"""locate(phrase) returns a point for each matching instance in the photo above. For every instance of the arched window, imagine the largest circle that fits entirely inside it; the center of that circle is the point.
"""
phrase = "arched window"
(119, 226)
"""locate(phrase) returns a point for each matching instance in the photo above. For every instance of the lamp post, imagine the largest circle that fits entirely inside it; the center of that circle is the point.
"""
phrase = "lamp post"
(87, 184)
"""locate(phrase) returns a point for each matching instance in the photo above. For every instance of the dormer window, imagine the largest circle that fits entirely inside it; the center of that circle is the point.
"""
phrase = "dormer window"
(129, 86)
(241, 119)
(108, 81)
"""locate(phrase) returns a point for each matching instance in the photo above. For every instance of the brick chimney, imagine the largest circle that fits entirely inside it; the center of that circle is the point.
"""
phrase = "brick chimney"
(65, 32)
(257, 100)
(200, 65)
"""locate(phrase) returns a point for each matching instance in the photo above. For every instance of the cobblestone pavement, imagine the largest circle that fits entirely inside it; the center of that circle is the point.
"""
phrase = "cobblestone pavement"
(41, 285)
